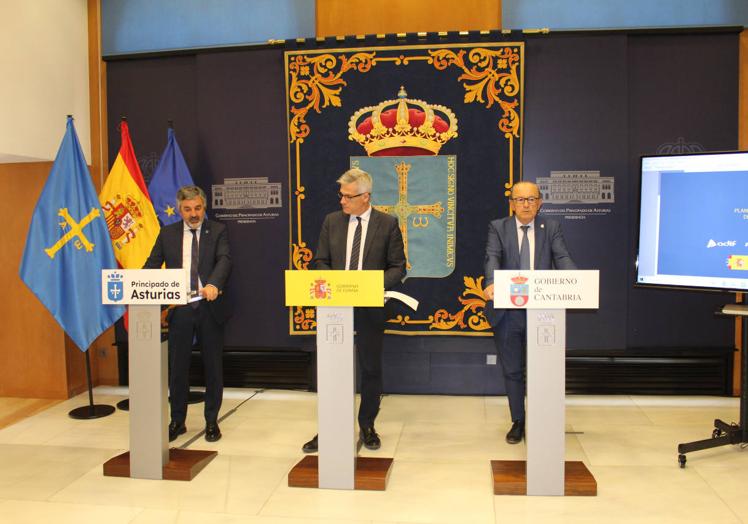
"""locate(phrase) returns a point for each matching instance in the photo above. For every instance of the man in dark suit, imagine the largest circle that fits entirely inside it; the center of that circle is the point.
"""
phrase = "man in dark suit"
(202, 246)
(522, 241)
(360, 237)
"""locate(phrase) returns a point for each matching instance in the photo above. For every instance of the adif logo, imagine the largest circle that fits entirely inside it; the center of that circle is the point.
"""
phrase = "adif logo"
(726, 243)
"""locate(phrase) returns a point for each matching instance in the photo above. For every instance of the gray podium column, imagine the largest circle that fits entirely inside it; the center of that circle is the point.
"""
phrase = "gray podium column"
(336, 394)
(149, 440)
(546, 394)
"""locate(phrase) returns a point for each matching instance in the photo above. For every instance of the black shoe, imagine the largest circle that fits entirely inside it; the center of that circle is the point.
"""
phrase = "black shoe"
(212, 432)
(516, 433)
(370, 438)
(176, 429)
(310, 447)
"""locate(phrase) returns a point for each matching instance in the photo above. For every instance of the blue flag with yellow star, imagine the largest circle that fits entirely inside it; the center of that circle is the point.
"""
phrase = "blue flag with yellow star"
(68, 245)
(170, 174)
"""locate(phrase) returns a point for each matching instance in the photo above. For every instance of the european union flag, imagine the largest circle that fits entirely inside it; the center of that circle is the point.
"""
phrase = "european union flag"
(170, 174)
(67, 247)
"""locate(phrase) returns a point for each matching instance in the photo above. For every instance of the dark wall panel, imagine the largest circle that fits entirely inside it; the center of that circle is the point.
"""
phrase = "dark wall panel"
(683, 96)
(241, 115)
(149, 92)
(576, 120)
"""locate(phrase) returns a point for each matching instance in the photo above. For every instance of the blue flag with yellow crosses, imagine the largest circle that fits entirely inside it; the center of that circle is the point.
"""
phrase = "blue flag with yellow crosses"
(68, 245)
(170, 174)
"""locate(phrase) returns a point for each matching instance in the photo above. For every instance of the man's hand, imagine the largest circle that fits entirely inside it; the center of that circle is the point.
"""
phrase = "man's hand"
(209, 292)
(488, 292)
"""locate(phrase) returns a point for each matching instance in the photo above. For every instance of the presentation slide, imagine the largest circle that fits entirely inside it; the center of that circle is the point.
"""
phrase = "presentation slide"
(693, 228)
(703, 223)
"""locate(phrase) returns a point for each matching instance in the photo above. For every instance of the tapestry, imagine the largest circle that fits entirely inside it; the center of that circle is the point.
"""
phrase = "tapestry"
(439, 129)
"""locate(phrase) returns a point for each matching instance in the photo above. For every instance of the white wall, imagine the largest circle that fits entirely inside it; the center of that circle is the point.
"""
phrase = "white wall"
(43, 77)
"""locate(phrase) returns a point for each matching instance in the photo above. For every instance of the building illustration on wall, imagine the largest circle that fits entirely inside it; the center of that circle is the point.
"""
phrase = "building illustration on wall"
(246, 193)
(581, 187)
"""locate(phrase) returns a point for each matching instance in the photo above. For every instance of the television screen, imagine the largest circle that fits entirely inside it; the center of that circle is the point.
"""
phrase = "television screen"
(693, 221)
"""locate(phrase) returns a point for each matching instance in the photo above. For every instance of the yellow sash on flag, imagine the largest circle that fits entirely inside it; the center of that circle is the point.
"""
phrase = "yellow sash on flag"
(132, 222)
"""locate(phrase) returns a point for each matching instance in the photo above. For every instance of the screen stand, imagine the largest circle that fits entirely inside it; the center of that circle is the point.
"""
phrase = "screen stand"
(725, 434)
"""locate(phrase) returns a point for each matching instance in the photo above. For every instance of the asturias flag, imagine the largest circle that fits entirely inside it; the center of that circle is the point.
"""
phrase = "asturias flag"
(170, 174)
(127, 206)
(67, 247)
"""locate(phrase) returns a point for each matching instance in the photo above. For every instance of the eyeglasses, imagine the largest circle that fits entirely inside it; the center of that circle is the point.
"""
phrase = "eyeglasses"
(350, 197)
(522, 200)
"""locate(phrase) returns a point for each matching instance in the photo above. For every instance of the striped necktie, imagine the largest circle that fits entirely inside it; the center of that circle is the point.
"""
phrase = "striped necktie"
(356, 245)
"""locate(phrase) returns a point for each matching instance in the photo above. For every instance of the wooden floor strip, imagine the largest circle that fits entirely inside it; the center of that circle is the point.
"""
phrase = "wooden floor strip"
(13, 410)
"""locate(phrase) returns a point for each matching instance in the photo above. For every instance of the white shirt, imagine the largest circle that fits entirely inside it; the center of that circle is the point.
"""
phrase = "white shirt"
(352, 223)
(530, 239)
(187, 249)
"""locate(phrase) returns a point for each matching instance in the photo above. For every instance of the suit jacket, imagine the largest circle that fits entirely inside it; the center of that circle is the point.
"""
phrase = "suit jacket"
(502, 252)
(214, 264)
(383, 246)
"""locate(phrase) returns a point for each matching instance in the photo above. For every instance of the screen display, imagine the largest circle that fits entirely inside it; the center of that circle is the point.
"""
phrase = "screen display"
(693, 221)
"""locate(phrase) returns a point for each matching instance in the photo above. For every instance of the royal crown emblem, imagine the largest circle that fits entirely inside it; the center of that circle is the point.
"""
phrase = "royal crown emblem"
(402, 127)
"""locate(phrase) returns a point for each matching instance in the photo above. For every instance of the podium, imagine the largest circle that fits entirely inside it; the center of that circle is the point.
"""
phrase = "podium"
(335, 294)
(546, 295)
(144, 291)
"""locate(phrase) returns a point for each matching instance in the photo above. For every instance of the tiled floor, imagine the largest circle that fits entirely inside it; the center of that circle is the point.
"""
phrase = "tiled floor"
(51, 465)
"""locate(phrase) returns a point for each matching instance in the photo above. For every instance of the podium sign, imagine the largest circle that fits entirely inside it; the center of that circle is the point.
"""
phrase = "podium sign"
(334, 293)
(144, 286)
(546, 295)
(335, 288)
(546, 289)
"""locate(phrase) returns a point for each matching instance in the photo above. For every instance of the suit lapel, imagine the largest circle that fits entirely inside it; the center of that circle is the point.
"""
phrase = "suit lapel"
(176, 234)
(371, 230)
(539, 240)
(339, 238)
(205, 239)
(513, 240)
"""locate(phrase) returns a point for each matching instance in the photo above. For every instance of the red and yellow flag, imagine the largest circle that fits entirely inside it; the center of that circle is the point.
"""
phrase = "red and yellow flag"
(132, 222)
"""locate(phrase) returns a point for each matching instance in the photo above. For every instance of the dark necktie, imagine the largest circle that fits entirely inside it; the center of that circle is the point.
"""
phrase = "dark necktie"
(194, 262)
(356, 245)
(524, 250)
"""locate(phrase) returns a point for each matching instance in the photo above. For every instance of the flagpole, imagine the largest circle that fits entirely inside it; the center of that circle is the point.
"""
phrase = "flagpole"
(92, 410)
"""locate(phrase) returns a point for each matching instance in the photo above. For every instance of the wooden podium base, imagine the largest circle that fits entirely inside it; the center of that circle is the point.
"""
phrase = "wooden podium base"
(510, 478)
(184, 464)
(371, 473)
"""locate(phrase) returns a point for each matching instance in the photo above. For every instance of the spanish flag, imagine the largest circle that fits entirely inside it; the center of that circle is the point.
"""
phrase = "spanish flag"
(130, 218)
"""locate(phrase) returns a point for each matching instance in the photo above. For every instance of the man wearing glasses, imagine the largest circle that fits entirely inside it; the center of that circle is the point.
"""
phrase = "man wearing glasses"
(522, 241)
(354, 238)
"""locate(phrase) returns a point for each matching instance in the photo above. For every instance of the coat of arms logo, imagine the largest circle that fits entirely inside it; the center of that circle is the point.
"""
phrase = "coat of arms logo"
(519, 291)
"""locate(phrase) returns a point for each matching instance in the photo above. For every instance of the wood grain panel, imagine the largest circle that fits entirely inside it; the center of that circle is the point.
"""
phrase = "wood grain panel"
(31, 343)
(104, 368)
(357, 17)
(510, 478)
(371, 473)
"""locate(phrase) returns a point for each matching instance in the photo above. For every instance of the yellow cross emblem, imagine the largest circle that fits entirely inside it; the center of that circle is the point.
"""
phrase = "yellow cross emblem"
(76, 230)
(404, 209)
